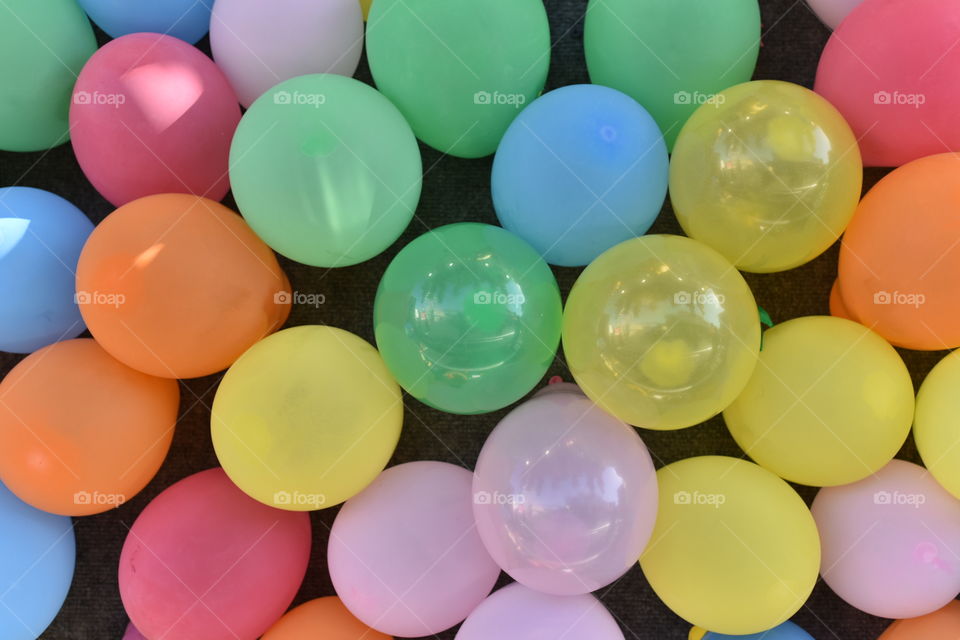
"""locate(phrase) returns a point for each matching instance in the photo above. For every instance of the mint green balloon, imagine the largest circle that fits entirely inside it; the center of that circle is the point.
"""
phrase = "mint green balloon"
(468, 317)
(459, 70)
(671, 56)
(43, 46)
(325, 170)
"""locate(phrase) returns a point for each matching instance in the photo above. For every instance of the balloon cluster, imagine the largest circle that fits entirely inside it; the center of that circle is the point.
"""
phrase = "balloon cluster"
(660, 332)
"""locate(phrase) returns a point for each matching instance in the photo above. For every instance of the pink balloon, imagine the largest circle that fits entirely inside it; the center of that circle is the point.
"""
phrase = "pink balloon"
(404, 553)
(152, 114)
(832, 12)
(518, 613)
(565, 495)
(204, 560)
(891, 69)
(891, 542)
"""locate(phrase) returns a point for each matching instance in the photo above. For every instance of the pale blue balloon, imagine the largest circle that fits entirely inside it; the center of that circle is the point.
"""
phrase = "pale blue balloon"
(41, 236)
(37, 558)
(188, 20)
(785, 631)
(581, 169)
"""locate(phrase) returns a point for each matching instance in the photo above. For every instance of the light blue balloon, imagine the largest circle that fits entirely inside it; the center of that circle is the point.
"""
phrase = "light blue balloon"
(41, 236)
(581, 169)
(785, 631)
(188, 20)
(37, 557)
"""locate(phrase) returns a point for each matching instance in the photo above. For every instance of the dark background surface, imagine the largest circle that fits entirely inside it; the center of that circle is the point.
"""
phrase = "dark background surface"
(457, 190)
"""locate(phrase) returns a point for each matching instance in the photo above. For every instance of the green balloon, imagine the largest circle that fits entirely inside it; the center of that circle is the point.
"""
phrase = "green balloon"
(43, 46)
(325, 170)
(468, 318)
(459, 70)
(671, 56)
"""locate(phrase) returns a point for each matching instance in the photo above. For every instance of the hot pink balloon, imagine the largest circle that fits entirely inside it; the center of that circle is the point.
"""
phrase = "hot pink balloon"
(565, 495)
(404, 553)
(891, 69)
(204, 560)
(152, 114)
(832, 12)
(518, 613)
(891, 542)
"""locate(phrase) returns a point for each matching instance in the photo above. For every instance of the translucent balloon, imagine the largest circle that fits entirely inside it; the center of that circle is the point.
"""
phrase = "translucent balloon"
(829, 403)
(459, 71)
(891, 542)
(179, 286)
(661, 331)
(43, 45)
(468, 318)
(580, 170)
(188, 20)
(565, 495)
(785, 631)
(405, 556)
(325, 170)
(735, 549)
(767, 173)
(205, 561)
(518, 613)
(939, 625)
(631, 45)
(324, 618)
(306, 418)
(41, 236)
(39, 554)
(898, 264)
(832, 12)
(935, 425)
(82, 433)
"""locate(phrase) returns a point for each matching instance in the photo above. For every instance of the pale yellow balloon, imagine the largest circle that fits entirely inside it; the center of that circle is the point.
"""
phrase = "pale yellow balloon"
(365, 5)
(306, 418)
(735, 549)
(661, 331)
(830, 402)
(768, 173)
(936, 426)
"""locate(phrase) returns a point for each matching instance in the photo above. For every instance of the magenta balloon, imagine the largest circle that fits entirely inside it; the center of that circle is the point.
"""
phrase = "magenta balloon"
(132, 633)
(891, 542)
(204, 560)
(565, 495)
(404, 553)
(518, 613)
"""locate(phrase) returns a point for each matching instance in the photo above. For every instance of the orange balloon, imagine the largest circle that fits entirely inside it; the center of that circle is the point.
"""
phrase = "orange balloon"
(179, 286)
(837, 308)
(82, 433)
(324, 618)
(900, 257)
(943, 624)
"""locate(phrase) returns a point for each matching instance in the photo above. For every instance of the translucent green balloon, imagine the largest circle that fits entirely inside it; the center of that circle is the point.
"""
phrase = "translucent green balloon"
(325, 170)
(467, 318)
(43, 46)
(671, 56)
(459, 70)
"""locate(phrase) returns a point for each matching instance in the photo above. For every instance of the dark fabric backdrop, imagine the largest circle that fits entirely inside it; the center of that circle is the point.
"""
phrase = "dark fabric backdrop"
(456, 190)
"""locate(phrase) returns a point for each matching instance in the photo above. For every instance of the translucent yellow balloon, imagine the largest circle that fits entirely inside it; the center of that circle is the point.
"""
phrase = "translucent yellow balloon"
(936, 427)
(768, 173)
(661, 331)
(735, 549)
(306, 418)
(829, 403)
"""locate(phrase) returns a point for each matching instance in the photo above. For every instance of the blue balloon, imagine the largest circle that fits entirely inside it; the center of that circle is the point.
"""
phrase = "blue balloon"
(41, 236)
(785, 631)
(188, 20)
(37, 556)
(581, 169)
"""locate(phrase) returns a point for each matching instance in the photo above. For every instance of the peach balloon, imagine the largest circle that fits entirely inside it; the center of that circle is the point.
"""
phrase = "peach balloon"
(82, 433)
(942, 624)
(179, 286)
(324, 618)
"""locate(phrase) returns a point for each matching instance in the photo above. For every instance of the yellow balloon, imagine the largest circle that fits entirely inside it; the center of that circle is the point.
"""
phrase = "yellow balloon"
(306, 418)
(768, 173)
(735, 549)
(829, 403)
(661, 331)
(936, 427)
(365, 5)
